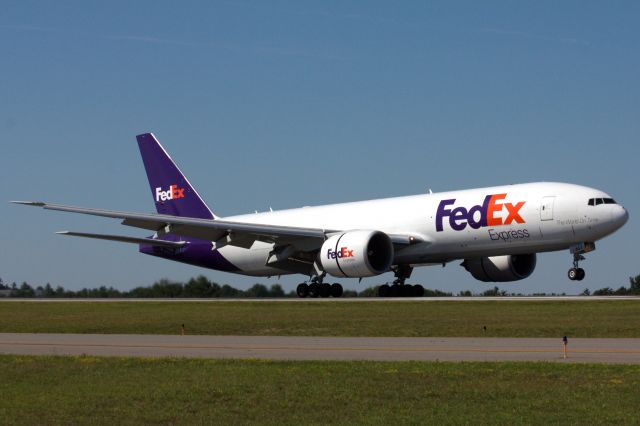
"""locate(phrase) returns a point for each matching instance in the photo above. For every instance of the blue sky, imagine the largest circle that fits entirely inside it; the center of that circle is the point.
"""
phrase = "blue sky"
(284, 104)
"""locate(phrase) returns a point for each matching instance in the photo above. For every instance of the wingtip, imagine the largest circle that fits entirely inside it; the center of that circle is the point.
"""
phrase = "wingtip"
(30, 203)
(62, 232)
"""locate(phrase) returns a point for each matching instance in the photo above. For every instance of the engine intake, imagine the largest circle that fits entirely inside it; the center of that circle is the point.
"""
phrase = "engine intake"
(356, 254)
(501, 268)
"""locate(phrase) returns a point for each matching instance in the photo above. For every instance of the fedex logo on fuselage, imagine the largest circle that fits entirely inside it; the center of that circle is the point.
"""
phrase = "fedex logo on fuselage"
(172, 193)
(340, 254)
(479, 216)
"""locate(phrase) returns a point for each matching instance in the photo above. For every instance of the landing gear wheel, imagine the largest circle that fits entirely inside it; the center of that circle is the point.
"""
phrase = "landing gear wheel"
(325, 290)
(302, 290)
(394, 290)
(418, 290)
(576, 273)
(314, 289)
(336, 290)
(399, 289)
(383, 290)
(573, 274)
(406, 290)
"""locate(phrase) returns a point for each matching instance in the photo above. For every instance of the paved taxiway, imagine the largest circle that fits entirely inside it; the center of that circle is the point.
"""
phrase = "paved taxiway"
(325, 348)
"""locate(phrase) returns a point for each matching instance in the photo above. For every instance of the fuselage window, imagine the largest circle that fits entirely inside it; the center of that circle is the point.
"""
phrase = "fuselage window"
(609, 201)
(599, 201)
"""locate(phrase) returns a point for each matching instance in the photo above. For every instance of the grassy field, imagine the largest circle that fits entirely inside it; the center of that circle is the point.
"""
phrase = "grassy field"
(502, 318)
(79, 390)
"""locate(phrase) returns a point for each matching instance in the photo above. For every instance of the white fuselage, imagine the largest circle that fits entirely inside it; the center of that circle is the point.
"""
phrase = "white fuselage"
(520, 219)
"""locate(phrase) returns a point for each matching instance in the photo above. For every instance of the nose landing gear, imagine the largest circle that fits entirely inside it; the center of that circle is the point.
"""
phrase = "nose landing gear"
(576, 273)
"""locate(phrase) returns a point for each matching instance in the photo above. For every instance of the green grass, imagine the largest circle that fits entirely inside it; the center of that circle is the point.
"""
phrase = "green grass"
(502, 318)
(80, 390)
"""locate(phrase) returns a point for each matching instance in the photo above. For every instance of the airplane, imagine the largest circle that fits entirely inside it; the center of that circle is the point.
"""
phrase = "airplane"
(495, 231)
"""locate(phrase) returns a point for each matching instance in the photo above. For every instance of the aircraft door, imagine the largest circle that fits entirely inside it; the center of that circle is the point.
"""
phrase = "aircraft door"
(546, 208)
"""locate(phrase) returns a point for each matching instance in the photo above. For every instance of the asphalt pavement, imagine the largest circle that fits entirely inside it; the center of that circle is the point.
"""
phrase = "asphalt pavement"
(326, 348)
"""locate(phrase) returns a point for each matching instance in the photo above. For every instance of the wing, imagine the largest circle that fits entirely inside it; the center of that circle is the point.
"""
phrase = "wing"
(293, 246)
(204, 229)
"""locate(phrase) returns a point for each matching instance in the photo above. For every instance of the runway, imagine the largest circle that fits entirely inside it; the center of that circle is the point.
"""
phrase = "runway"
(325, 348)
(331, 300)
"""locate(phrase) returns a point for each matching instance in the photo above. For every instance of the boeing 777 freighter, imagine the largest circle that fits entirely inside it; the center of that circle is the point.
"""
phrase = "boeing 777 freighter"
(495, 231)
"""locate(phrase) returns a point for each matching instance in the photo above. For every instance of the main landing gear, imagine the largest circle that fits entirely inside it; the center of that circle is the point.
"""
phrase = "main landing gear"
(576, 273)
(399, 288)
(319, 289)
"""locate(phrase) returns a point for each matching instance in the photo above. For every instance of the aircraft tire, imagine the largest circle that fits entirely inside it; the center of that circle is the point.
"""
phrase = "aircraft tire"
(336, 290)
(383, 290)
(394, 290)
(406, 290)
(573, 274)
(581, 274)
(314, 290)
(418, 290)
(302, 290)
(325, 290)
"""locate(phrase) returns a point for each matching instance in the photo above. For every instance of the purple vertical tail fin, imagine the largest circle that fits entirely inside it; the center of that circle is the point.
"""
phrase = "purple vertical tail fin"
(171, 190)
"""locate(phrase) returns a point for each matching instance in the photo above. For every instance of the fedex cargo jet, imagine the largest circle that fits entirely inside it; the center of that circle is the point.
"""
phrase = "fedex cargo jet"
(496, 231)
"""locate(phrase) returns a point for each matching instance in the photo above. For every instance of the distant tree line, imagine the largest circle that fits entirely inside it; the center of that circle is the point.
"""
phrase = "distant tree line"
(202, 287)
(633, 289)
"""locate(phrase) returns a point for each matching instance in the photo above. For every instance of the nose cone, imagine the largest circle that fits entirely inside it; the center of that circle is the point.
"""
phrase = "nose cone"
(620, 216)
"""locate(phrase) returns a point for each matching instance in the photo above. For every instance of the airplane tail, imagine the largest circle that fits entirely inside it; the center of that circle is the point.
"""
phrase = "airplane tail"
(171, 190)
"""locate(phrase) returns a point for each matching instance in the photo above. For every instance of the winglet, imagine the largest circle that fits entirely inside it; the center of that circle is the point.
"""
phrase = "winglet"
(30, 203)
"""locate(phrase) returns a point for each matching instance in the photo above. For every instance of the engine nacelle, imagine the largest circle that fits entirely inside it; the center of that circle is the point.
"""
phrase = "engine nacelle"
(356, 254)
(501, 268)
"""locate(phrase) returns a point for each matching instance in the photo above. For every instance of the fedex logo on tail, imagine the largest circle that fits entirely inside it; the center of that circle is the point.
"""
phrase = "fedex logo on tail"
(172, 193)
(486, 214)
(342, 253)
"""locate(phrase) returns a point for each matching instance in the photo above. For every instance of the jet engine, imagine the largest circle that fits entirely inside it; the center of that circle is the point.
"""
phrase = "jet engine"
(356, 254)
(501, 268)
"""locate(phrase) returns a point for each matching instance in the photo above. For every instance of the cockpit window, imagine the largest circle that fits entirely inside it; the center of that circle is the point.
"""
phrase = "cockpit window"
(598, 201)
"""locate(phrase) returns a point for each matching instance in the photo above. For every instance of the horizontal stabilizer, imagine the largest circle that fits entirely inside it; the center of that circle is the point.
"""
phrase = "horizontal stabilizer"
(124, 239)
